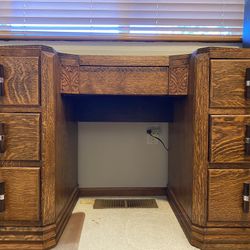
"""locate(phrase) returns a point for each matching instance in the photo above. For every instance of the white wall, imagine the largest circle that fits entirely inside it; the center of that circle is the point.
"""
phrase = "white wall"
(122, 48)
(116, 154)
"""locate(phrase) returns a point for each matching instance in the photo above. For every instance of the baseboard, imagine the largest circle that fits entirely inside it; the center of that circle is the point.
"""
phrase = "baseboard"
(180, 214)
(37, 238)
(65, 214)
(123, 191)
(210, 238)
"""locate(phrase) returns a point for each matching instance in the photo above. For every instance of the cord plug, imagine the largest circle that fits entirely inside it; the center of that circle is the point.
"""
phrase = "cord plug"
(149, 131)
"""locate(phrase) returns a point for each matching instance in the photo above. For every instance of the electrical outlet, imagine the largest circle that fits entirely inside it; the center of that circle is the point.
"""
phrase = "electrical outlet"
(155, 132)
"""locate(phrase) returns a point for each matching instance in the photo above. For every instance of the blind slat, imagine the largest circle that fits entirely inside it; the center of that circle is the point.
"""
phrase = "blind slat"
(179, 2)
(117, 7)
(139, 17)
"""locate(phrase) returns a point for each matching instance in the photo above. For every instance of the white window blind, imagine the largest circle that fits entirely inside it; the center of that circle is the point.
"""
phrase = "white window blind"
(122, 19)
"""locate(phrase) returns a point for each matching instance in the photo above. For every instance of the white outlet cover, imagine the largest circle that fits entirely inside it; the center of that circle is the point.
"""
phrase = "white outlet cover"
(151, 140)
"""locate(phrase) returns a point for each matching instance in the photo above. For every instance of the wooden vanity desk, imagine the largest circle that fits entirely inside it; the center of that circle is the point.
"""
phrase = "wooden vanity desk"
(204, 97)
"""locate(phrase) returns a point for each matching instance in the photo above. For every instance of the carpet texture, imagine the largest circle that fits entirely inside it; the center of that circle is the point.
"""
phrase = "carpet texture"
(131, 229)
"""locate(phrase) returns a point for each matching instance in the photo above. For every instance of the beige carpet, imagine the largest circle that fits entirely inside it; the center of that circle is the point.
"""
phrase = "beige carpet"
(127, 229)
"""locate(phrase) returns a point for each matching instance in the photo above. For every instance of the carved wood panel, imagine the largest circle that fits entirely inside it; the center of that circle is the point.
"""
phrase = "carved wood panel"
(178, 80)
(70, 79)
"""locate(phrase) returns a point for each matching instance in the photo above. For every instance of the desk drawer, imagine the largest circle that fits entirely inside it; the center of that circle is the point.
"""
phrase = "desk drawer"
(21, 136)
(22, 194)
(228, 138)
(21, 81)
(228, 83)
(225, 202)
(123, 80)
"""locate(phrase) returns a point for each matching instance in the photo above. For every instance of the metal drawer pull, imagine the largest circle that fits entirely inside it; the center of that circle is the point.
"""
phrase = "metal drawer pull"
(246, 198)
(2, 138)
(2, 196)
(1, 80)
(247, 141)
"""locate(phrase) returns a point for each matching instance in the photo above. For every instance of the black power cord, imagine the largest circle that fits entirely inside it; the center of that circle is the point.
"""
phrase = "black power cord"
(149, 131)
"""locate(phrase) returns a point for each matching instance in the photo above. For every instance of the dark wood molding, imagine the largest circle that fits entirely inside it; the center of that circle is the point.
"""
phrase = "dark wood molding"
(39, 237)
(123, 191)
(127, 38)
(213, 237)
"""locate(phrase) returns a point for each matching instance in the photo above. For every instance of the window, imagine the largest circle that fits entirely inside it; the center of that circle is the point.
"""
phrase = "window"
(200, 20)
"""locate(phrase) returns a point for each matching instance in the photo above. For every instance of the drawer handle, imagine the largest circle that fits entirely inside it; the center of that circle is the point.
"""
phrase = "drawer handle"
(2, 138)
(246, 198)
(1, 80)
(247, 140)
(2, 196)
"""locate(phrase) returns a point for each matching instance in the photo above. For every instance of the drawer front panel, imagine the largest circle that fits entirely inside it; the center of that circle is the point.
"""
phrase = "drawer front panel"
(227, 138)
(228, 80)
(22, 192)
(225, 202)
(123, 80)
(22, 136)
(21, 81)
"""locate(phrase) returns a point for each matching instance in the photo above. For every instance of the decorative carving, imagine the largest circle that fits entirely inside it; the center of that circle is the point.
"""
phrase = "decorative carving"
(178, 81)
(70, 79)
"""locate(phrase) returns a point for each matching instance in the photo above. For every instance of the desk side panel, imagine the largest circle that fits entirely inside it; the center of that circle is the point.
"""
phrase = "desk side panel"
(181, 155)
(59, 144)
(66, 150)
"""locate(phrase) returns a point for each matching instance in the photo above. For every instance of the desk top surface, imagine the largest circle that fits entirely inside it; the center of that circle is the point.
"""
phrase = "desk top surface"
(125, 75)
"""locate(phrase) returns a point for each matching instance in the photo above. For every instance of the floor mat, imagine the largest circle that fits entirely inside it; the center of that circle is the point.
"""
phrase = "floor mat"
(72, 233)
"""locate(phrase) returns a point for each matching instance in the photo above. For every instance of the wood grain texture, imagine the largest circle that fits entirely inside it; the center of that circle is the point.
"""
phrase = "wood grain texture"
(116, 61)
(22, 194)
(66, 142)
(225, 195)
(178, 74)
(123, 80)
(231, 111)
(23, 238)
(227, 138)
(210, 219)
(69, 79)
(132, 38)
(200, 80)
(178, 80)
(22, 132)
(180, 154)
(21, 81)
(206, 238)
(24, 50)
(34, 238)
(188, 143)
(227, 87)
(48, 138)
(225, 53)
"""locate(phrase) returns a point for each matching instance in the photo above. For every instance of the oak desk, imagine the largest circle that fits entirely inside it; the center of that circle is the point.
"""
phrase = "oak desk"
(204, 96)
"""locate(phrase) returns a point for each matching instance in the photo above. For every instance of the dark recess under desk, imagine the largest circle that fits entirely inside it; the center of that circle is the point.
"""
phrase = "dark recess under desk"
(110, 108)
